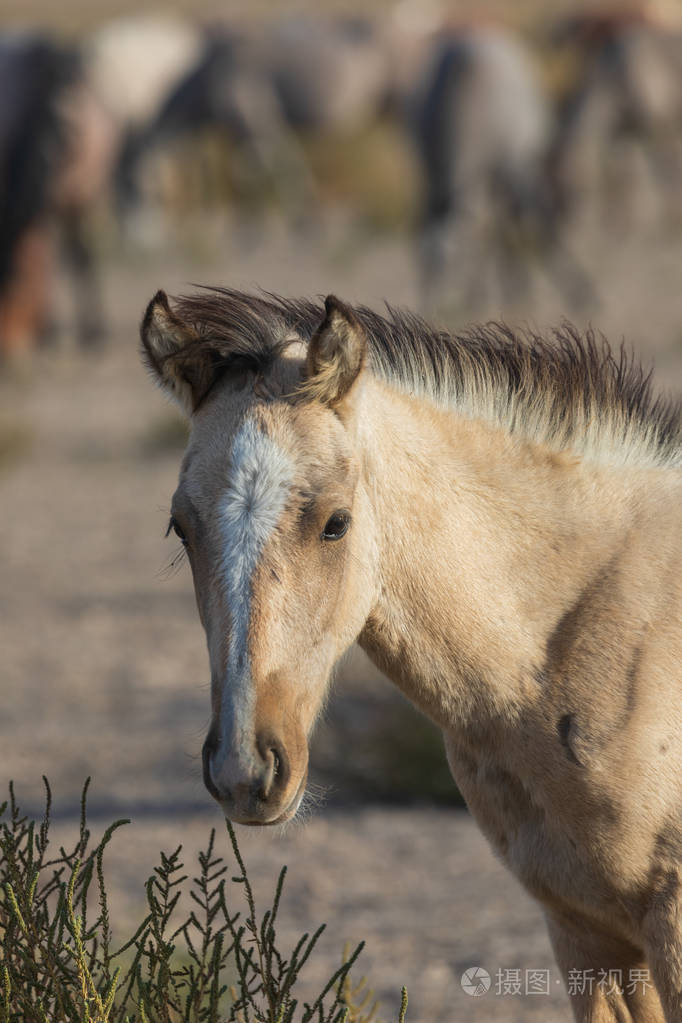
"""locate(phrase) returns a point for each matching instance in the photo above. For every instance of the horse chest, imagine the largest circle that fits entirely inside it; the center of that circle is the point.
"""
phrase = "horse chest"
(502, 804)
(542, 848)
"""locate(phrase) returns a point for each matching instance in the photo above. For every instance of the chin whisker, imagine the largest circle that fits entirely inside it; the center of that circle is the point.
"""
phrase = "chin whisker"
(313, 798)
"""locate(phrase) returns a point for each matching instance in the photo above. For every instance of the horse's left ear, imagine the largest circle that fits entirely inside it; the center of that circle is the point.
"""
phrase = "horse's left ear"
(336, 355)
(181, 369)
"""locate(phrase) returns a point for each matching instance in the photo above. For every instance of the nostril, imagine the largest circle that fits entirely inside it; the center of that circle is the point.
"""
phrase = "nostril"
(271, 768)
(276, 773)
(282, 770)
(206, 754)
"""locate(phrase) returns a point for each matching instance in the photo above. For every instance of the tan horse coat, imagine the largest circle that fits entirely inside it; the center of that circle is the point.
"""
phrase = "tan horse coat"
(496, 521)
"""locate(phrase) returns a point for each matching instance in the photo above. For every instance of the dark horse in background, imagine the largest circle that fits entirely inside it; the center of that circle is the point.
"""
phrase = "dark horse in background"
(49, 137)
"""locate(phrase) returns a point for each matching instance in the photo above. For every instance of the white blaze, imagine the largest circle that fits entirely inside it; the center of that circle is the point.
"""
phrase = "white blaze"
(260, 480)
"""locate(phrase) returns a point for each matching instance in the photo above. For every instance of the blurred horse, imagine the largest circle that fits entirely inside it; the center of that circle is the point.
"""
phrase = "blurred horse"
(55, 154)
(496, 519)
(618, 149)
(32, 75)
(482, 126)
(133, 63)
(329, 76)
(263, 93)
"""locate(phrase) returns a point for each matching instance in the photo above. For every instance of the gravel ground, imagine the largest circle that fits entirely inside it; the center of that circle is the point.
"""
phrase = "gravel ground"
(103, 666)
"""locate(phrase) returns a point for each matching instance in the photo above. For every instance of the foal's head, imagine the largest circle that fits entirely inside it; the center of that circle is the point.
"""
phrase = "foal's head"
(278, 528)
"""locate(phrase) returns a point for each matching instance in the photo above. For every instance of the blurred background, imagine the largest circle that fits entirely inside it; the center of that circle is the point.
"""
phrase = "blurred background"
(472, 160)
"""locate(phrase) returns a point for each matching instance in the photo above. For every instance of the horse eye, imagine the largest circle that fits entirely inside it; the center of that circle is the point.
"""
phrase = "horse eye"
(177, 530)
(337, 526)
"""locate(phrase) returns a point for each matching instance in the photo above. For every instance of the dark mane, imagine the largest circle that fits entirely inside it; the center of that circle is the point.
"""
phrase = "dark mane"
(569, 390)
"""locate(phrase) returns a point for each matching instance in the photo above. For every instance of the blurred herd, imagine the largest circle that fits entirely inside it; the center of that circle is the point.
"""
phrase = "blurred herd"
(502, 144)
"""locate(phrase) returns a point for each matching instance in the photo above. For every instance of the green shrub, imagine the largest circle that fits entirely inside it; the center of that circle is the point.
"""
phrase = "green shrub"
(58, 964)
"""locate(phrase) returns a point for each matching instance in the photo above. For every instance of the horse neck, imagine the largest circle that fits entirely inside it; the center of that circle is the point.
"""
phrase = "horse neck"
(486, 542)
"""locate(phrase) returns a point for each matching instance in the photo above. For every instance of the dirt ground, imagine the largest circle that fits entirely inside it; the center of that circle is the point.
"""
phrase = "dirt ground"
(103, 669)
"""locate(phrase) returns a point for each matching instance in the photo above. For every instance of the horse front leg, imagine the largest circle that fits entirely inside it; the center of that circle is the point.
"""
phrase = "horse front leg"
(663, 927)
(601, 975)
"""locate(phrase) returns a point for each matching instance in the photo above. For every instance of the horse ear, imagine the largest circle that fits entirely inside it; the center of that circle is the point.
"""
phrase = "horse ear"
(182, 370)
(336, 354)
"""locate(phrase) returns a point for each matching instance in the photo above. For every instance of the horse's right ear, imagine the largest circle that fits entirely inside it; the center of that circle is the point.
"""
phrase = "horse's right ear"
(168, 351)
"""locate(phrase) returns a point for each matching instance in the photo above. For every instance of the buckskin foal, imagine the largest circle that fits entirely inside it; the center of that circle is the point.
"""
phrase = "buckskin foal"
(496, 520)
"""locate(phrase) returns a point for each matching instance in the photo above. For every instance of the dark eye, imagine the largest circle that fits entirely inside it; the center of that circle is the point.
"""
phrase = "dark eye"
(172, 525)
(337, 526)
